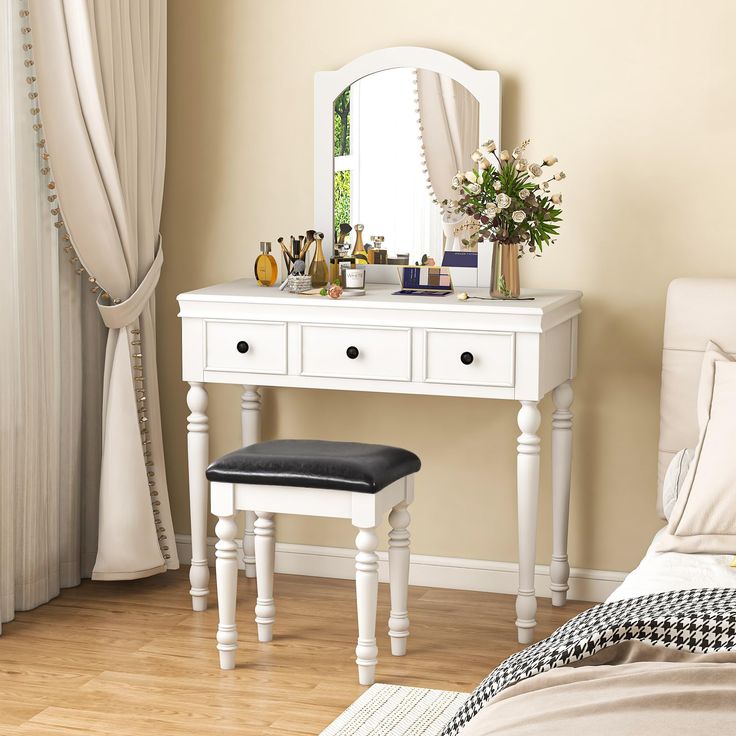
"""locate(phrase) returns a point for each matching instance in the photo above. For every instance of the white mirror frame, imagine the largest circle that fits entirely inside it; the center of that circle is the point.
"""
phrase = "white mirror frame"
(484, 85)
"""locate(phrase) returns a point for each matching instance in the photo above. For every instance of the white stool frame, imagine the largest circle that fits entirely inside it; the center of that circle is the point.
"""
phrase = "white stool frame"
(364, 510)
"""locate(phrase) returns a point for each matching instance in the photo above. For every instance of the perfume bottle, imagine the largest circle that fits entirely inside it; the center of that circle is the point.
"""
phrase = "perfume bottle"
(359, 249)
(319, 269)
(378, 251)
(266, 268)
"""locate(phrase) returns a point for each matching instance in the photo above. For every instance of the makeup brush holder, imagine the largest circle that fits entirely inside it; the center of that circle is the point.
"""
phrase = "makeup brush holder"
(298, 283)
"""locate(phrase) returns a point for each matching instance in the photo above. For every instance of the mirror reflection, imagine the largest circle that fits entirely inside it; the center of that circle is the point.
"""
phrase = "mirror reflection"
(400, 136)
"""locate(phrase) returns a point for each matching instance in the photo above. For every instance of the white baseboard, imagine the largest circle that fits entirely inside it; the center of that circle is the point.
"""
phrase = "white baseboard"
(426, 570)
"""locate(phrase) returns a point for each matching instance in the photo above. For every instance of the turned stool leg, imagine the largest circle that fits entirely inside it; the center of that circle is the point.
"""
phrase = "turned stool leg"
(366, 589)
(226, 566)
(265, 545)
(398, 561)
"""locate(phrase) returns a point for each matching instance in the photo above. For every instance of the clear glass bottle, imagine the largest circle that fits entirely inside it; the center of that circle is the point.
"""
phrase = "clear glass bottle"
(266, 269)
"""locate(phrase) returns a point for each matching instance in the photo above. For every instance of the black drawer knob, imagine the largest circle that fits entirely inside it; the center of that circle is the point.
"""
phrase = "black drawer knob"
(243, 346)
(352, 352)
(466, 358)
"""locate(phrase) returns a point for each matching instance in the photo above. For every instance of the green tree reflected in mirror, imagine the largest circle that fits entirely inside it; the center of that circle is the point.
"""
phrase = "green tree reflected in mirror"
(341, 147)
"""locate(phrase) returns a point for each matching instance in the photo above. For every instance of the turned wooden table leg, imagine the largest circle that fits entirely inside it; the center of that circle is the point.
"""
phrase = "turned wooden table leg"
(559, 569)
(366, 588)
(198, 457)
(527, 478)
(250, 414)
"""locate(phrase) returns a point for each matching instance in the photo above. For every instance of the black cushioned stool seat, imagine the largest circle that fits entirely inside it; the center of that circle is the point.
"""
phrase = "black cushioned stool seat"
(343, 466)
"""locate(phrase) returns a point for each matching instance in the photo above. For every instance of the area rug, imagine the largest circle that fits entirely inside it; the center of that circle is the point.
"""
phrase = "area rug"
(392, 710)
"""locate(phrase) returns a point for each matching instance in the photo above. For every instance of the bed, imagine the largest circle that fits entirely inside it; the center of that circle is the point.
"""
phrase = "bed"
(659, 656)
(663, 571)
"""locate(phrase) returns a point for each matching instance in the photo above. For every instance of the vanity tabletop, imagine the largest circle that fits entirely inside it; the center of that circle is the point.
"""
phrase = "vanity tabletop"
(380, 296)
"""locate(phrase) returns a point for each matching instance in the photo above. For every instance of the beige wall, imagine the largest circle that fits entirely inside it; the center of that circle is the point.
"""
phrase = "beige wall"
(636, 98)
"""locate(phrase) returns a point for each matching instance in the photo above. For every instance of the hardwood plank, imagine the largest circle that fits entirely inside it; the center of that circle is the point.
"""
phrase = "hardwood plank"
(132, 659)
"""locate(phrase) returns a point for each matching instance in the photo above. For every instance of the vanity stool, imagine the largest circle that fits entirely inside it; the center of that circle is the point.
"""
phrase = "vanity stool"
(344, 480)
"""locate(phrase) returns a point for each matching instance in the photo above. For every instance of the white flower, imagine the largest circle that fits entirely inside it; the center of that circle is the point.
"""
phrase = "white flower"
(504, 155)
(560, 176)
(518, 215)
(489, 146)
(476, 156)
(521, 164)
(524, 193)
(550, 160)
(535, 169)
(484, 164)
(473, 188)
(503, 201)
(516, 153)
(491, 209)
(470, 176)
(545, 186)
(497, 186)
(557, 198)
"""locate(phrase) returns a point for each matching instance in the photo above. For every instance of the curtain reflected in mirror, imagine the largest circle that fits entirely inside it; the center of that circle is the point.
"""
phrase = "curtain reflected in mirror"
(400, 136)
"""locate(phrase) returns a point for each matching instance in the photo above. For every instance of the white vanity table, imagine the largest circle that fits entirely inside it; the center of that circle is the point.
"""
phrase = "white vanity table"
(514, 350)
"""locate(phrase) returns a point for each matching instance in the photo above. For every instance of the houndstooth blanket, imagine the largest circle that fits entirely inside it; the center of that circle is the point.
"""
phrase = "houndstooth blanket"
(700, 621)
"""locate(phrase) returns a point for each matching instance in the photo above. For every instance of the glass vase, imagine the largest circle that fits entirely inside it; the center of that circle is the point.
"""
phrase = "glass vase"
(505, 271)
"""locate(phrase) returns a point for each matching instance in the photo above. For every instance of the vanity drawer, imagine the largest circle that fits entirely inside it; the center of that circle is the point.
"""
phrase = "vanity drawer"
(469, 357)
(332, 351)
(247, 347)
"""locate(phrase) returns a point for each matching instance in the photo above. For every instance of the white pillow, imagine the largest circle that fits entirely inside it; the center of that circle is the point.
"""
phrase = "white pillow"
(703, 518)
(673, 478)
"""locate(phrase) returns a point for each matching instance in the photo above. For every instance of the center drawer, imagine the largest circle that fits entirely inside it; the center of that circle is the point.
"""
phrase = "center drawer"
(334, 351)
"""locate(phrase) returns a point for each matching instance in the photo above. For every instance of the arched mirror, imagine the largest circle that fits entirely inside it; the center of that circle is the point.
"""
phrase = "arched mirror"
(392, 128)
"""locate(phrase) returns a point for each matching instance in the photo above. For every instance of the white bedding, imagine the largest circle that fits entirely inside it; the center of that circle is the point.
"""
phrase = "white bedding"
(661, 571)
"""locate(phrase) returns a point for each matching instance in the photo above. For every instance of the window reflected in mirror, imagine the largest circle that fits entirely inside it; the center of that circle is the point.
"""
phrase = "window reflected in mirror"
(400, 136)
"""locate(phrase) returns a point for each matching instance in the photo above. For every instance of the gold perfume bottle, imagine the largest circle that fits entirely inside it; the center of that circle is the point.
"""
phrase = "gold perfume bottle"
(318, 270)
(359, 249)
(266, 268)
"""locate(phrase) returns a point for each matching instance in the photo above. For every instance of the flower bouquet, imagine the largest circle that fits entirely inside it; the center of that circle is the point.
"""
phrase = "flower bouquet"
(508, 200)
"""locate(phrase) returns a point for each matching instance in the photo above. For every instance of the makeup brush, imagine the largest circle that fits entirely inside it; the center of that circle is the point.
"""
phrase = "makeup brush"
(344, 232)
(296, 246)
(288, 258)
(288, 261)
(307, 244)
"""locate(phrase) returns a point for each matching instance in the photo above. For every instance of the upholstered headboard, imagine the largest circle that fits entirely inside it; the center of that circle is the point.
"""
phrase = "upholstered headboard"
(698, 310)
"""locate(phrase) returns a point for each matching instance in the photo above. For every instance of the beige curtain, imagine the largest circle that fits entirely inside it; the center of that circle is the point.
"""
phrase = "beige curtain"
(50, 364)
(101, 69)
(450, 128)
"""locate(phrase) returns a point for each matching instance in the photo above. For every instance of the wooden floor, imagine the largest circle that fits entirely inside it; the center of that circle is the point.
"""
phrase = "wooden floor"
(132, 658)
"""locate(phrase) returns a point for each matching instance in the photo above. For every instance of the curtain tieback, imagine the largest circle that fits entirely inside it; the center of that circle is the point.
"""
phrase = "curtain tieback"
(117, 316)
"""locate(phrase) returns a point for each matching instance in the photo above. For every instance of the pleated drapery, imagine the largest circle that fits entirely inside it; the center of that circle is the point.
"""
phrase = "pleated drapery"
(50, 364)
(450, 128)
(101, 76)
